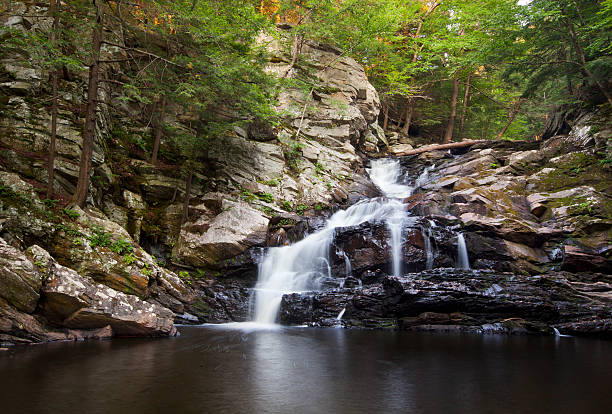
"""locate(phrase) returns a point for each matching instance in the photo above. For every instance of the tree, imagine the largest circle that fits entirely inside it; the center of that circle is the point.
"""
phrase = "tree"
(566, 44)
(89, 131)
(53, 11)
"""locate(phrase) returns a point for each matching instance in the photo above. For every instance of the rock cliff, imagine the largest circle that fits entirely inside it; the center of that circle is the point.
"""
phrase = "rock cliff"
(536, 216)
(129, 264)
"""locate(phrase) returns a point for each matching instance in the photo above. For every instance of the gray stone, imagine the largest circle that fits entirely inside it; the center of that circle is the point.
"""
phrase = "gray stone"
(77, 302)
(233, 231)
(20, 280)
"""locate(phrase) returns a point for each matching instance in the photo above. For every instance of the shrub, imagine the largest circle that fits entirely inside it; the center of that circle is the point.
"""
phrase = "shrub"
(146, 270)
(122, 246)
(129, 258)
(50, 203)
(247, 196)
(73, 215)
(267, 197)
(286, 205)
(100, 237)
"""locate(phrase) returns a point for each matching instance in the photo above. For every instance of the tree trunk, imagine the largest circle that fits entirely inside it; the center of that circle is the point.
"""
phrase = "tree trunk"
(513, 111)
(386, 118)
(80, 195)
(159, 130)
(53, 10)
(448, 136)
(187, 197)
(296, 48)
(466, 99)
(580, 52)
(415, 56)
(409, 112)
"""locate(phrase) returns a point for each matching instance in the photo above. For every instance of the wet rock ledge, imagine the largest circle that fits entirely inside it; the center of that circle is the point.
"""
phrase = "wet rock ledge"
(465, 301)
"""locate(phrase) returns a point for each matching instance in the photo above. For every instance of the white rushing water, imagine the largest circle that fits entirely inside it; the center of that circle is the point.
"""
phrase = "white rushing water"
(463, 261)
(304, 265)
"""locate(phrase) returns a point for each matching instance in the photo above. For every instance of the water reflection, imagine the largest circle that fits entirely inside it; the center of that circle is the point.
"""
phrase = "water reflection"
(309, 371)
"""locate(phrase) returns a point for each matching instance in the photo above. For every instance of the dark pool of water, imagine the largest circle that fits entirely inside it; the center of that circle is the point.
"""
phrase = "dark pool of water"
(299, 370)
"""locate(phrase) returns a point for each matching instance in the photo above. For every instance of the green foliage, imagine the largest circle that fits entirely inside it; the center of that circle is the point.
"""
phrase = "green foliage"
(286, 205)
(267, 197)
(286, 222)
(129, 258)
(565, 49)
(301, 208)
(271, 183)
(122, 246)
(586, 208)
(267, 210)
(70, 213)
(50, 203)
(13, 197)
(100, 237)
(319, 169)
(146, 270)
(247, 196)
(293, 156)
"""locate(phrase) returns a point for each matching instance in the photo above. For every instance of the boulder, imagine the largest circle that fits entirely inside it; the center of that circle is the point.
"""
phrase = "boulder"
(206, 242)
(400, 148)
(20, 279)
(73, 301)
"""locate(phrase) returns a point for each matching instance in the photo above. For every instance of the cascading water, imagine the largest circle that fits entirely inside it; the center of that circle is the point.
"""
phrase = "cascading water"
(463, 261)
(347, 263)
(304, 265)
(385, 174)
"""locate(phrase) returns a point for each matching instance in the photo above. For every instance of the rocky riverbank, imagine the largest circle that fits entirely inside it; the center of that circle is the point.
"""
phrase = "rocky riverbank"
(537, 222)
(130, 263)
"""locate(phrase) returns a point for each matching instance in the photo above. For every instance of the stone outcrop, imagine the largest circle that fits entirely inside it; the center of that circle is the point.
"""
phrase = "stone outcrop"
(73, 301)
(230, 233)
(470, 301)
(525, 207)
(20, 279)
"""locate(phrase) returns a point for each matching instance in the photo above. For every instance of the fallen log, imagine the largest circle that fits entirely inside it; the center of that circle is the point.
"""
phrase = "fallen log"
(436, 147)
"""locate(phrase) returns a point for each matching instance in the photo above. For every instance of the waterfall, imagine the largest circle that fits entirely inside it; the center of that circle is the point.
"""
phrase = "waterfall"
(463, 261)
(305, 265)
(347, 263)
(386, 174)
(341, 314)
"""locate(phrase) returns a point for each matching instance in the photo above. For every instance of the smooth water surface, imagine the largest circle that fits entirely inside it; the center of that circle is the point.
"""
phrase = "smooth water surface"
(306, 370)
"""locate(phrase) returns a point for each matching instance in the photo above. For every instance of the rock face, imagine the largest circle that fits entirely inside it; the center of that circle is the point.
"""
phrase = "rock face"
(473, 301)
(255, 185)
(72, 301)
(529, 217)
(533, 215)
(230, 233)
(20, 280)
